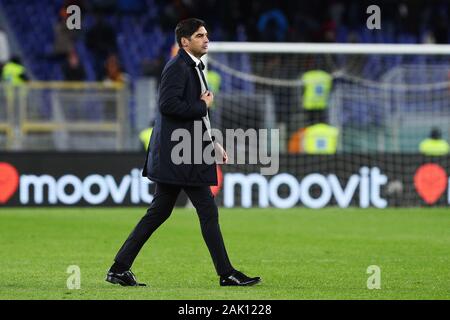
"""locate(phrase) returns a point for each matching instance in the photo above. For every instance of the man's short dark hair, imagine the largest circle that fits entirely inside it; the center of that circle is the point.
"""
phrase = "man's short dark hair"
(186, 28)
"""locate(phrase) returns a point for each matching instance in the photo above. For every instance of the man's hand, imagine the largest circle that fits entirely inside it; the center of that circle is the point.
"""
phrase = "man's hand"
(208, 97)
(221, 154)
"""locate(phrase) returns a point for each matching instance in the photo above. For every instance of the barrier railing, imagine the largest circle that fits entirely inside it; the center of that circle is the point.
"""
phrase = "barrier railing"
(64, 116)
(6, 118)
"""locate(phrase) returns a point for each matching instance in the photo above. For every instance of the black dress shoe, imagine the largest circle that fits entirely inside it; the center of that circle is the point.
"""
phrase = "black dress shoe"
(237, 278)
(126, 278)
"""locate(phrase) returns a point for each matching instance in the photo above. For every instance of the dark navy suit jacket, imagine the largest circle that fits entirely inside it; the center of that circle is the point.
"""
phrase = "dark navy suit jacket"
(179, 106)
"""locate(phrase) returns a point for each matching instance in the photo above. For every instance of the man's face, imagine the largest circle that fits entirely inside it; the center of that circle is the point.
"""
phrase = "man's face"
(198, 43)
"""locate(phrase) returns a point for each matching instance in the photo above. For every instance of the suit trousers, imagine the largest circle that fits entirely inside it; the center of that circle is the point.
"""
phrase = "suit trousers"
(160, 209)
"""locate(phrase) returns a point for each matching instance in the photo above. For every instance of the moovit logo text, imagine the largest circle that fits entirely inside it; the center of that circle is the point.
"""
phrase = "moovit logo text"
(369, 182)
(94, 189)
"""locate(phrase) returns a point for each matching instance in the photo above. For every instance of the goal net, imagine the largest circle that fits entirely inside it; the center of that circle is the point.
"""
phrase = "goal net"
(353, 122)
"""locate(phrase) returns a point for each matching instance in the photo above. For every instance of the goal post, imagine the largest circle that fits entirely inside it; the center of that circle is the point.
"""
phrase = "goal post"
(331, 48)
(383, 100)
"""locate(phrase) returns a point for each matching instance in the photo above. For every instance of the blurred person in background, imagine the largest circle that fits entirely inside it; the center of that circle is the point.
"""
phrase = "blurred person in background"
(114, 78)
(320, 138)
(145, 135)
(408, 18)
(153, 67)
(73, 70)
(273, 25)
(4, 48)
(64, 38)
(13, 72)
(435, 145)
(101, 41)
(440, 29)
(14, 75)
(316, 94)
(215, 82)
(114, 71)
(173, 11)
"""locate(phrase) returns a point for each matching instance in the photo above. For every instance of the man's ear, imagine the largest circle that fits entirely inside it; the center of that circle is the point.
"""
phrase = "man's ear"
(184, 42)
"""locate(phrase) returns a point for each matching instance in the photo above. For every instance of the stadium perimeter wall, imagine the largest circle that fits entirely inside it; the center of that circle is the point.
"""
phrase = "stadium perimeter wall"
(114, 179)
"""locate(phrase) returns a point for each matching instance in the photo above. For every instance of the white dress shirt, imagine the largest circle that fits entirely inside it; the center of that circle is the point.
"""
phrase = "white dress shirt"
(203, 90)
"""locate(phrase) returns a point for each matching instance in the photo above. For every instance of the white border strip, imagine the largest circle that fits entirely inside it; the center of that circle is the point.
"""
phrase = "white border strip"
(344, 48)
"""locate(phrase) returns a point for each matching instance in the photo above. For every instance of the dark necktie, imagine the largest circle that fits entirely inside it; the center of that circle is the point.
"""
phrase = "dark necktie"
(200, 67)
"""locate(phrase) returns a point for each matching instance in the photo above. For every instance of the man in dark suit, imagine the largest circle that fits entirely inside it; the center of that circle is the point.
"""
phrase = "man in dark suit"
(184, 101)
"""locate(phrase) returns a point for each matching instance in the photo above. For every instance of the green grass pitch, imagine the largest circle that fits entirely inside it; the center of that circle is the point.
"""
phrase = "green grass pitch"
(299, 253)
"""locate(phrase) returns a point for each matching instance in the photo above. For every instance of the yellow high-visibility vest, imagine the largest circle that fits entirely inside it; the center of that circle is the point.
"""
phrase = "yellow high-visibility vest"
(12, 72)
(214, 80)
(434, 147)
(317, 84)
(320, 139)
(145, 136)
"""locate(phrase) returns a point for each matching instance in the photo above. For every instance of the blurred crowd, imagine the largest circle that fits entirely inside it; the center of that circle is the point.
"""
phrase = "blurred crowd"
(235, 20)
(310, 21)
(100, 39)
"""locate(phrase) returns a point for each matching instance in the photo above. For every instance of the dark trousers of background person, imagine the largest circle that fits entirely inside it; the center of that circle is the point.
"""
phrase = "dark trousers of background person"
(316, 116)
(99, 60)
(160, 209)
